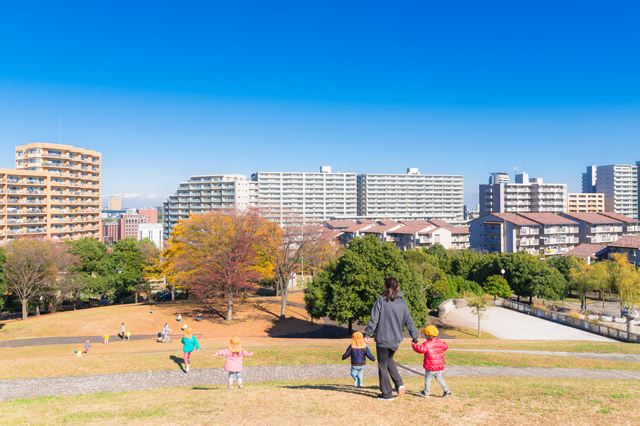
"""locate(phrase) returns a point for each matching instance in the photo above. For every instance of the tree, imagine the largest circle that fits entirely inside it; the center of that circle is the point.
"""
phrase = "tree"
(288, 245)
(31, 265)
(347, 289)
(222, 251)
(478, 306)
(629, 288)
(463, 262)
(3, 283)
(126, 261)
(497, 286)
(583, 279)
(564, 264)
(610, 273)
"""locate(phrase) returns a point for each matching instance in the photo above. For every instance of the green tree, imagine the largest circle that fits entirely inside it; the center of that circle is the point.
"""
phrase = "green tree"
(583, 278)
(478, 306)
(347, 290)
(3, 283)
(565, 265)
(497, 286)
(126, 262)
(463, 262)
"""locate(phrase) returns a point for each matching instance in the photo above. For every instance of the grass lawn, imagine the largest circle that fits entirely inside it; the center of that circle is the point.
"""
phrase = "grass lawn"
(479, 401)
(51, 361)
(252, 317)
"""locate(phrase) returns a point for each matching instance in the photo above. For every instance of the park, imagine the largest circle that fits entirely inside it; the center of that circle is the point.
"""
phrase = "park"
(502, 365)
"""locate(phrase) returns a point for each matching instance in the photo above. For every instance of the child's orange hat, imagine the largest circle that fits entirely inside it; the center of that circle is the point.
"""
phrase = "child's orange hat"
(431, 330)
(235, 345)
(357, 341)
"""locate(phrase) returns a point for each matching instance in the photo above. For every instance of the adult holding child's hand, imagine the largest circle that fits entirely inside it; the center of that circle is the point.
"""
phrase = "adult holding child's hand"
(388, 317)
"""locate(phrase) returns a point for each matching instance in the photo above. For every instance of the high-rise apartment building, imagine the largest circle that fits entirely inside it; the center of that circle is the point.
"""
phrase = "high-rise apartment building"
(53, 193)
(618, 183)
(314, 196)
(527, 195)
(411, 196)
(114, 202)
(206, 193)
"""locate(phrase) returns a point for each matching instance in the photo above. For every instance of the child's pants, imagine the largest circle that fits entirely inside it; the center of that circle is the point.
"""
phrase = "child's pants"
(357, 373)
(187, 357)
(429, 375)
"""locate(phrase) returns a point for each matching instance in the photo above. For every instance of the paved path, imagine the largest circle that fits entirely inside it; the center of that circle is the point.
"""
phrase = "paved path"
(47, 341)
(76, 385)
(508, 324)
(590, 355)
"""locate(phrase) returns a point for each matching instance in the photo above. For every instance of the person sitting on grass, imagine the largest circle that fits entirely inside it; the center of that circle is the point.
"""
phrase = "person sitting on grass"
(86, 347)
(233, 365)
(359, 352)
(433, 350)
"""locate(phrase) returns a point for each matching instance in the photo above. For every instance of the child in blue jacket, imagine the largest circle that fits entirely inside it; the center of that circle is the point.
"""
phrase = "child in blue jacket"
(359, 352)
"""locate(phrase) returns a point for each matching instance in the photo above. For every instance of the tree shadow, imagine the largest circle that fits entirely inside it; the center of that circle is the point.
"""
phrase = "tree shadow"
(261, 308)
(179, 361)
(265, 292)
(296, 328)
(370, 391)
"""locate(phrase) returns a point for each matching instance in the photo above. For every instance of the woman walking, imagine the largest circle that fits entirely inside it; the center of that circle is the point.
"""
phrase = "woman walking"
(388, 316)
(189, 343)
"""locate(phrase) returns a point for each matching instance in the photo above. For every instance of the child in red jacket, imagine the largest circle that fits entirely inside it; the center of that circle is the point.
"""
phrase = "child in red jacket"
(433, 350)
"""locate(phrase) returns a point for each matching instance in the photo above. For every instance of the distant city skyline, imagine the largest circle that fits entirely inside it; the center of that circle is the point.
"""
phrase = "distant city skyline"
(172, 91)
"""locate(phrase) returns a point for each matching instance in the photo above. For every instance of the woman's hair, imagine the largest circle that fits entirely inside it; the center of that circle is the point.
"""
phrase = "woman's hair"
(391, 289)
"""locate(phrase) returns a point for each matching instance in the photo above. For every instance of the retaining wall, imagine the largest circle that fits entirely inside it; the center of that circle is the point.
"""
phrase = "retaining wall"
(582, 324)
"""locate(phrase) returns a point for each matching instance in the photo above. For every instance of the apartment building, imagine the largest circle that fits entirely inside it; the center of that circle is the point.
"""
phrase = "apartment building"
(585, 203)
(207, 193)
(618, 183)
(411, 196)
(114, 202)
(313, 196)
(406, 234)
(527, 195)
(598, 228)
(130, 222)
(152, 231)
(536, 233)
(53, 193)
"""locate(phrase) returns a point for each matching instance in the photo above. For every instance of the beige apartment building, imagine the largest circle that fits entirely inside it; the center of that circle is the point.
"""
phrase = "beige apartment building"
(53, 193)
(585, 203)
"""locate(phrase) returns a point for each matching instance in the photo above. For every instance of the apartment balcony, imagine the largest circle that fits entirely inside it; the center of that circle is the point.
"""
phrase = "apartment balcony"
(600, 229)
(560, 240)
(593, 239)
(527, 242)
(562, 230)
(529, 231)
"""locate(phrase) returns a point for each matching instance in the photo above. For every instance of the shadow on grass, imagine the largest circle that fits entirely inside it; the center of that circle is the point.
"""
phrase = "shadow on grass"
(179, 361)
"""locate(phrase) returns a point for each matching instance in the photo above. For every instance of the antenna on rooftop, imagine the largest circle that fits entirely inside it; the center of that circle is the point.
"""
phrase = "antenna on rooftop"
(60, 129)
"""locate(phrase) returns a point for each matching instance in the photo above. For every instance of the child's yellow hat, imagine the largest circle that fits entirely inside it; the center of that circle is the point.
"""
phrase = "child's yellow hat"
(431, 330)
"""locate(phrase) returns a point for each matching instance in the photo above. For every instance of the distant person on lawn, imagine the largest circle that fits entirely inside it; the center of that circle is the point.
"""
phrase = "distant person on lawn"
(123, 330)
(189, 343)
(86, 347)
(433, 350)
(233, 365)
(359, 352)
(165, 333)
(388, 316)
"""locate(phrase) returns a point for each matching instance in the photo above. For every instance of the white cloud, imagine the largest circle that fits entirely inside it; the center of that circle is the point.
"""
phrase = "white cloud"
(155, 196)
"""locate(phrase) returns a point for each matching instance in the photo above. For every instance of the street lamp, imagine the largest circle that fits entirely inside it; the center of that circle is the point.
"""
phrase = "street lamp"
(502, 271)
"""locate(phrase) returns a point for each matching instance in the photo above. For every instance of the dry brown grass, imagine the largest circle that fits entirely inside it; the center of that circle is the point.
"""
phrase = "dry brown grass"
(252, 317)
(476, 401)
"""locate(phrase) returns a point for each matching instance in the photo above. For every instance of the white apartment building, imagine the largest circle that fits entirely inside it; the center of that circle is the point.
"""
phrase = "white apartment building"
(527, 195)
(411, 196)
(618, 183)
(314, 196)
(206, 193)
(603, 228)
(585, 203)
(152, 231)
(536, 233)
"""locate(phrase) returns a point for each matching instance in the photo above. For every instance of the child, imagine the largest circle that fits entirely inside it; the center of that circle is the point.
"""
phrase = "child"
(105, 338)
(233, 365)
(179, 318)
(433, 350)
(199, 317)
(86, 347)
(359, 352)
(128, 334)
(189, 343)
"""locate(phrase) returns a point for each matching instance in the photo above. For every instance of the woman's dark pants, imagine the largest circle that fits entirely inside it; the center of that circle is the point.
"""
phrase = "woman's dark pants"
(387, 367)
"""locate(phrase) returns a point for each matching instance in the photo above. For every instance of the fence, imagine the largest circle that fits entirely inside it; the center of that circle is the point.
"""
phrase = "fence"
(592, 327)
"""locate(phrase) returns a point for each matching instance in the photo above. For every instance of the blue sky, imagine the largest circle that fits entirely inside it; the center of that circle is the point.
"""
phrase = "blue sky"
(166, 90)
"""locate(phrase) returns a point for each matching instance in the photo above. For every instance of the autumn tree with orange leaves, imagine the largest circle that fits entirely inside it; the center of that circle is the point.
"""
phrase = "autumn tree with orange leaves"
(217, 253)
